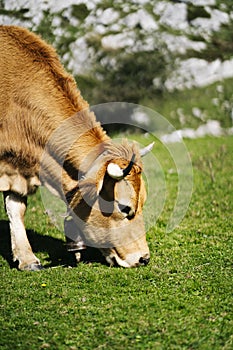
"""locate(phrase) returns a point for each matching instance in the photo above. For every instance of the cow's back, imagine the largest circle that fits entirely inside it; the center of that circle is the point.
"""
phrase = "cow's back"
(36, 95)
(31, 74)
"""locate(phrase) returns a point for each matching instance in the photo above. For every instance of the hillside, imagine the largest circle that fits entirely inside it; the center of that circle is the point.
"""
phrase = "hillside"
(138, 51)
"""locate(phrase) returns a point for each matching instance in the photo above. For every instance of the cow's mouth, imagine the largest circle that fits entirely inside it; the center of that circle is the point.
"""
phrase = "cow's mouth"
(132, 260)
(115, 260)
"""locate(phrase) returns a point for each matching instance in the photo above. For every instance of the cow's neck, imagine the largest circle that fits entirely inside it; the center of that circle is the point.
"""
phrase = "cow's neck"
(70, 151)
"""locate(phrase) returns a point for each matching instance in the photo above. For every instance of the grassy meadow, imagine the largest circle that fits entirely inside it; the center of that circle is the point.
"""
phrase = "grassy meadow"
(214, 102)
(181, 300)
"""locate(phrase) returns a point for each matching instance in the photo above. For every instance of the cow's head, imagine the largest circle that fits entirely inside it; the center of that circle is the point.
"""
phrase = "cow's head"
(107, 208)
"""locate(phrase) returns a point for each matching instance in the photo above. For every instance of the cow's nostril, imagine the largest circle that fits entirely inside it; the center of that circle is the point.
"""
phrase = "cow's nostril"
(144, 261)
(126, 210)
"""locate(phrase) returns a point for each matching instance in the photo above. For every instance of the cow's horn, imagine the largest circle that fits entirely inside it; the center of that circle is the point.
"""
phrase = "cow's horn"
(116, 172)
(146, 149)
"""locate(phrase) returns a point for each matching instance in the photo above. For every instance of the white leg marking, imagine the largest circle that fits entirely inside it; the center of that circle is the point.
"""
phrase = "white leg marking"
(21, 249)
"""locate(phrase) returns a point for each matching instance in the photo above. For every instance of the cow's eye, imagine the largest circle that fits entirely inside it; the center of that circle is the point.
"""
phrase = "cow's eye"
(126, 210)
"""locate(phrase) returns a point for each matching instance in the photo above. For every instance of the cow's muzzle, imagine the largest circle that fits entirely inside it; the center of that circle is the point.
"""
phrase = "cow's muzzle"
(131, 260)
(144, 261)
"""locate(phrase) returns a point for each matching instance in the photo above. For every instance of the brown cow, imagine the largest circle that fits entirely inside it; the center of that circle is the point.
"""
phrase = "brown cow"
(49, 136)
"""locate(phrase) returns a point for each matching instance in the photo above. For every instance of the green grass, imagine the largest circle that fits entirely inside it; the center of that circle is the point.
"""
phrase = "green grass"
(214, 102)
(181, 300)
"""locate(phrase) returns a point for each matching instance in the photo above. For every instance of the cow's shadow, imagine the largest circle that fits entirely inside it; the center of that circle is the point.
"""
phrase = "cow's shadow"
(54, 249)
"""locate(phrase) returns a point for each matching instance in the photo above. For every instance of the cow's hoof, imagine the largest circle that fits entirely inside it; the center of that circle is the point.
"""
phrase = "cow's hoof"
(32, 267)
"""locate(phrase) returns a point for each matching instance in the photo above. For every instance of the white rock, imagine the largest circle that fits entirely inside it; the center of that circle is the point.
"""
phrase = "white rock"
(141, 17)
(100, 29)
(215, 101)
(131, 20)
(59, 5)
(118, 41)
(81, 57)
(180, 43)
(198, 72)
(210, 24)
(197, 112)
(172, 15)
(220, 89)
(175, 136)
(202, 2)
(211, 128)
(140, 117)
(188, 133)
(147, 22)
(108, 16)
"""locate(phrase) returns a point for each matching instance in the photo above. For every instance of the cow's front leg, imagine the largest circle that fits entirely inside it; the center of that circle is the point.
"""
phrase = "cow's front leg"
(22, 252)
(74, 240)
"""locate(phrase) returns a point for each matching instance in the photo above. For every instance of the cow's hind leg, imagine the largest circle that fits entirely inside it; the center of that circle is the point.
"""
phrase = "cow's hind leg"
(22, 252)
